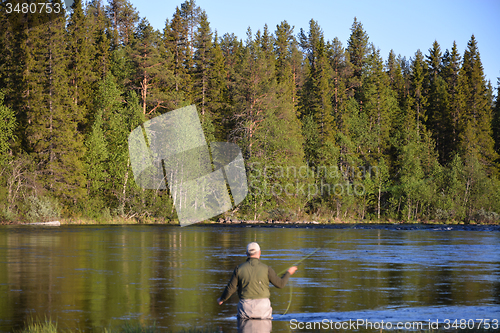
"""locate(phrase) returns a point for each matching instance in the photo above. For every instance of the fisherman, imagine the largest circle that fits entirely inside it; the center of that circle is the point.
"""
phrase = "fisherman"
(251, 279)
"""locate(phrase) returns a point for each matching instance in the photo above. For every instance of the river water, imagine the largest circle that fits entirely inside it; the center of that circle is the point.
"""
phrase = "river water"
(89, 277)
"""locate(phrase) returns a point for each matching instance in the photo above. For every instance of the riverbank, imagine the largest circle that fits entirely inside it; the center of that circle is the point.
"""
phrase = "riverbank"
(229, 221)
(335, 224)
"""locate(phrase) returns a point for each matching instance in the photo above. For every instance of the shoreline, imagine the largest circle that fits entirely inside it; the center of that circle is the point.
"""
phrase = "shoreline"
(335, 224)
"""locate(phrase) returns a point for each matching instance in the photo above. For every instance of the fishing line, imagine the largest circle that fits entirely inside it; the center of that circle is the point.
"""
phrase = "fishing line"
(308, 256)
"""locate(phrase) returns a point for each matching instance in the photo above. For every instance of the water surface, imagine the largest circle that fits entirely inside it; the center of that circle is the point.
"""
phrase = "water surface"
(100, 276)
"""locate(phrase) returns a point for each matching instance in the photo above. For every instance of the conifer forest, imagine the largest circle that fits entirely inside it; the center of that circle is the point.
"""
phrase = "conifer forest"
(330, 130)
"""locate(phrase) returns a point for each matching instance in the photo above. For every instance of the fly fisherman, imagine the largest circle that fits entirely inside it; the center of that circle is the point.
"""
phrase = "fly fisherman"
(251, 279)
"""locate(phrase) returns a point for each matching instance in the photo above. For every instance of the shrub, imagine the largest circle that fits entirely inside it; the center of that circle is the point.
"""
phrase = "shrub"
(484, 216)
(42, 208)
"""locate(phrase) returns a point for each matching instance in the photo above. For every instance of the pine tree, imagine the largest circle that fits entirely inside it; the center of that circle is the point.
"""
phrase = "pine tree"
(190, 14)
(151, 78)
(123, 17)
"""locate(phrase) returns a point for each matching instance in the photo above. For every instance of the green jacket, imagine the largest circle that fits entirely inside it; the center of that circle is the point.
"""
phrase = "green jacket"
(251, 279)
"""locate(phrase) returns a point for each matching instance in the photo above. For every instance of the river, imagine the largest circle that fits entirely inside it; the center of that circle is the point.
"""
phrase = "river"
(87, 277)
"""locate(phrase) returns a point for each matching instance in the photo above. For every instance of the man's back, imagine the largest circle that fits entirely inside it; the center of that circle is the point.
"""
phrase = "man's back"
(253, 282)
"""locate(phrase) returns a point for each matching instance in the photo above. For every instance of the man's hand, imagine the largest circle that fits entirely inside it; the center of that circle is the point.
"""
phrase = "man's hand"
(292, 270)
(219, 301)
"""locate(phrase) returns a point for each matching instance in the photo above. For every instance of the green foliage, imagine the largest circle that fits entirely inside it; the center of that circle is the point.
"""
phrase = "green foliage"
(328, 131)
(48, 326)
(7, 127)
(358, 49)
(42, 208)
(34, 326)
(151, 78)
(477, 113)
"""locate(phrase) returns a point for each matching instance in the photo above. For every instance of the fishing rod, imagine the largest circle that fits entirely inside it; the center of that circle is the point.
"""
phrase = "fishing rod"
(308, 256)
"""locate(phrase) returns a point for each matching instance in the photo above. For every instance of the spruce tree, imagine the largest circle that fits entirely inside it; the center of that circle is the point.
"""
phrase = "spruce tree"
(202, 61)
(81, 53)
(496, 119)
(418, 91)
(99, 25)
(395, 74)
(380, 105)
(316, 99)
(232, 51)
(438, 117)
(52, 129)
(358, 49)
(450, 74)
(7, 56)
(216, 94)
(175, 38)
(341, 71)
(478, 116)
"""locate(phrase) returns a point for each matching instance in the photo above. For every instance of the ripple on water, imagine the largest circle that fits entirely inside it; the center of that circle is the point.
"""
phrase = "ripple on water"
(394, 315)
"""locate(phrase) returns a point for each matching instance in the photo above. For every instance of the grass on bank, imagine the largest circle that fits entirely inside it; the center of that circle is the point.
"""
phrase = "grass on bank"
(49, 326)
(33, 326)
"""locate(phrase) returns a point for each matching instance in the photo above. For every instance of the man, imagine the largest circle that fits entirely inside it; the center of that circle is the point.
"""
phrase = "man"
(251, 279)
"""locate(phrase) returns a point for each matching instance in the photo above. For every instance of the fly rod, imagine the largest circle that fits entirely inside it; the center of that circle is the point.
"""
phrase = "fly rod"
(308, 256)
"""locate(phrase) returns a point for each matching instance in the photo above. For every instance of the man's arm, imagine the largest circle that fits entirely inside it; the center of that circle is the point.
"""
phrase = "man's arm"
(231, 287)
(276, 280)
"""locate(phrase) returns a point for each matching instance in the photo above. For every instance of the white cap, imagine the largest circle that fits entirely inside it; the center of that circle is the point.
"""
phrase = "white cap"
(252, 248)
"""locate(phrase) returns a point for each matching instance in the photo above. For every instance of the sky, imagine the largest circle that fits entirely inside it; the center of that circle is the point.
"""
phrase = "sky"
(403, 26)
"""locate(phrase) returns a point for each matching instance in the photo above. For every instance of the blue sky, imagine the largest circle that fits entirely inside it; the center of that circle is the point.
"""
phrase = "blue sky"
(399, 25)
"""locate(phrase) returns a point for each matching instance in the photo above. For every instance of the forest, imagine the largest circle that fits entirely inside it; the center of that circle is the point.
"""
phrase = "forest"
(329, 131)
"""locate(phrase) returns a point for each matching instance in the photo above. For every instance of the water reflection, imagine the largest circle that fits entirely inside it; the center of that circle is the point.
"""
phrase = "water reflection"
(95, 276)
(255, 325)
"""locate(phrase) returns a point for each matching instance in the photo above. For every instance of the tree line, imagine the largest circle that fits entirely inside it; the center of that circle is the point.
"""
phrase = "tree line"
(328, 131)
